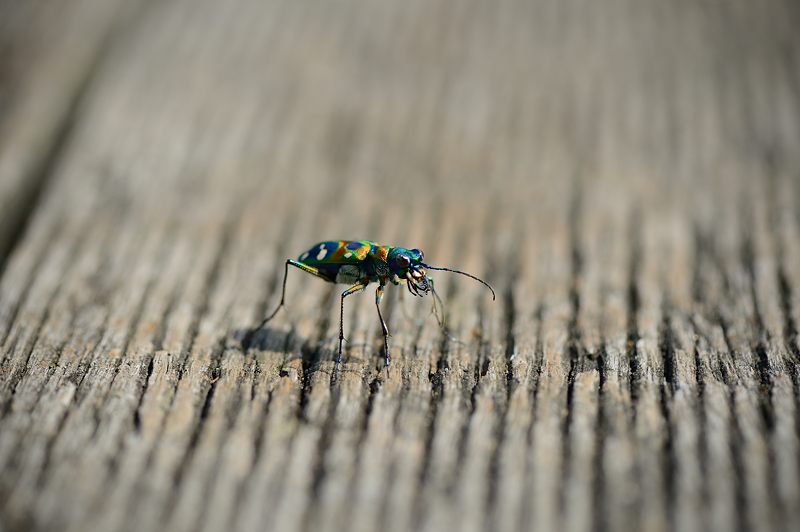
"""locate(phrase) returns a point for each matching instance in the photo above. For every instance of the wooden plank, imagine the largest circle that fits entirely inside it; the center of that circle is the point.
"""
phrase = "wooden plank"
(49, 54)
(623, 173)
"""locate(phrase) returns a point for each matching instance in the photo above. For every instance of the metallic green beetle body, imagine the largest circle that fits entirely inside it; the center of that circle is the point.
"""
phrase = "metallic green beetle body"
(351, 261)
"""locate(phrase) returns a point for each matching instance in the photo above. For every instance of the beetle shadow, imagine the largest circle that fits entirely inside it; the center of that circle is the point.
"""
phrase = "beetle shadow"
(280, 341)
(287, 342)
(266, 339)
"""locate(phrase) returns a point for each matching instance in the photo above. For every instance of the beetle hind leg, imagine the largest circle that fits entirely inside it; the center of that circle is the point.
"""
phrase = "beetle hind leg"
(306, 268)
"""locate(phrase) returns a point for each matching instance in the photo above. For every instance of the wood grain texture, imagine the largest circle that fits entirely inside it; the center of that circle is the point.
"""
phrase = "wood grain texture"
(624, 173)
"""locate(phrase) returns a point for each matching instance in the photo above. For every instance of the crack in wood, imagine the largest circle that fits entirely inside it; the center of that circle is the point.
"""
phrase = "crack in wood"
(667, 388)
(574, 350)
(633, 305)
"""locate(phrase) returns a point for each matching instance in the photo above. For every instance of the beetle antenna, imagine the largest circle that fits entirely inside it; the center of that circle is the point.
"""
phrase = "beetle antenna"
(494, 297)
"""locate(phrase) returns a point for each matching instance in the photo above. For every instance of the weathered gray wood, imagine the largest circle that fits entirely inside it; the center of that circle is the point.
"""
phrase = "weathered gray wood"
(624, 173)
(49, 54)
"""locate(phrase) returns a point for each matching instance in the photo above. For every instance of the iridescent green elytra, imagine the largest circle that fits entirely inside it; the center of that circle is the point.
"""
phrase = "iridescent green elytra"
(360, 262)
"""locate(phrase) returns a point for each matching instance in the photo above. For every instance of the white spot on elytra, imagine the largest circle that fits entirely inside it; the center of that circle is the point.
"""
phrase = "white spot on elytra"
(304, 256)
(322, 253)
(348, 255)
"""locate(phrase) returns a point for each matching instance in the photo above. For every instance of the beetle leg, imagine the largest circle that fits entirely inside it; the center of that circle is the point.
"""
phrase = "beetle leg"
(437, 299)
(378, 298)
(442, 320)
(352, 290)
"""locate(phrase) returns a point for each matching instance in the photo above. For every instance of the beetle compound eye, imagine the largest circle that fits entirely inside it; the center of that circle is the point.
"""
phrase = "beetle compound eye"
(403, 261)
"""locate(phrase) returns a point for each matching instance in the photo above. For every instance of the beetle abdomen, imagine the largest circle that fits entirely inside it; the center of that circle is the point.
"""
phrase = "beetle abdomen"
(349, 274)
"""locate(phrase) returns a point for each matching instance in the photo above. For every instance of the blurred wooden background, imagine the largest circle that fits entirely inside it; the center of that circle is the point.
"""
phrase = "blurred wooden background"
(626, 173)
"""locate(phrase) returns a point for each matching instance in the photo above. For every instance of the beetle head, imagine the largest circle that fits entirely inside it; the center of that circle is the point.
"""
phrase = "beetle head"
(407, 264)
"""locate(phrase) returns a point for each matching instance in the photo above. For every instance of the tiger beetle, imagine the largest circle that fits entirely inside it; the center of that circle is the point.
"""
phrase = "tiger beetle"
(360, 262)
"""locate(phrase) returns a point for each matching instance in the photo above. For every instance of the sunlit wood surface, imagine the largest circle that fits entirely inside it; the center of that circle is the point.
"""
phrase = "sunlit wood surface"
(625, 173)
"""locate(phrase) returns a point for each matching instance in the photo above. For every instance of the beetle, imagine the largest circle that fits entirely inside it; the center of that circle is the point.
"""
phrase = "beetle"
(359, 263)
